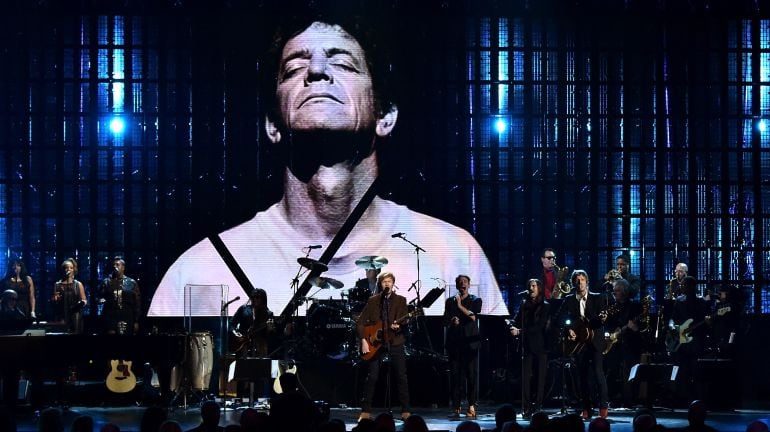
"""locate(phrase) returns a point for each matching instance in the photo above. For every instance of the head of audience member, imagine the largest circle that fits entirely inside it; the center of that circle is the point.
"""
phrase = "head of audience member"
(384, 423)
(415, 423)
(289, 382)
(573, 423)
(468, 426)
(505, 413)
(599, 424)
(51, 420)
(332, 425)
(83, 423)
(364, 425)
(644, 423)
(512, 426)
(757, 426)
(233, 428)
(110, 427)
(696, 414)
(538, 422)
(253, 420)
(152, 418)
(210, 413)
(170, 426)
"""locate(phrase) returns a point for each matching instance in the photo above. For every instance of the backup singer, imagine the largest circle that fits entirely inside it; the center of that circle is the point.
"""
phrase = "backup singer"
(530, 323)
(69, 296)
(462, 343)
(586, 314)
(251, 326)
(384, 309)
(121, 300)
(21, 282)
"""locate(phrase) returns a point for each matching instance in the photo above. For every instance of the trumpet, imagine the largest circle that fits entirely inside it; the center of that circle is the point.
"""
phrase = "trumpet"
(562, 287)
(613, 275)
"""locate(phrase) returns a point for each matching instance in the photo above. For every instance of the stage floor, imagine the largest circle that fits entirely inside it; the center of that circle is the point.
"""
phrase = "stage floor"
(437, 418)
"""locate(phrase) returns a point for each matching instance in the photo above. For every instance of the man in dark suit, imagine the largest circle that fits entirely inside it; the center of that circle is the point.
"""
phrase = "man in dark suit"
(530, 324)
(586, 313)
(462, 343)
(384, 309)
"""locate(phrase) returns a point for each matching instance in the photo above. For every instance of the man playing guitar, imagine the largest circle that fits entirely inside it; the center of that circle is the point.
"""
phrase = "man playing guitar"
(384, 308)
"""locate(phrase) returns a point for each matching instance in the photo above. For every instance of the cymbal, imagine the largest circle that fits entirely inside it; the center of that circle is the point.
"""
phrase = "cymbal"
(371, 262)
(311, 264)
(325, 283)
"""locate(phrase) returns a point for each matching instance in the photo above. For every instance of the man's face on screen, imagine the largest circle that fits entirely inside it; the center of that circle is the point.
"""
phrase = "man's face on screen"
(324, 82)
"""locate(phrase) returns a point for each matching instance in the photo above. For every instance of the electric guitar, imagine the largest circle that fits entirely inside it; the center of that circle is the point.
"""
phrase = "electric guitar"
(682, 334)
(120, 379)
(374, 338)
(613, 337)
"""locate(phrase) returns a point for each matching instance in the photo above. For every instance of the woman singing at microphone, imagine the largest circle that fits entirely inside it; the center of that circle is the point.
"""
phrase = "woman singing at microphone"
(70, 297)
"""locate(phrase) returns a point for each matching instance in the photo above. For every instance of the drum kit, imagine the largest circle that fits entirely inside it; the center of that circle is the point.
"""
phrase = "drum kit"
(331, 323)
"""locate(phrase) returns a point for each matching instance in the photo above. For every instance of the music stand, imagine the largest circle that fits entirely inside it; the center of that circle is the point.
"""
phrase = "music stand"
(252, 369)
(653, 373)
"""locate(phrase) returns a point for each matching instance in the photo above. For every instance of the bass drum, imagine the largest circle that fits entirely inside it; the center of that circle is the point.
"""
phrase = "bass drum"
(329, 328)
(201, 360)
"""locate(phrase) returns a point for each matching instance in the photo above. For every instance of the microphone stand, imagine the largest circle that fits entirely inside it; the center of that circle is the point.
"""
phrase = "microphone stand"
(417, 286)
(523, 357)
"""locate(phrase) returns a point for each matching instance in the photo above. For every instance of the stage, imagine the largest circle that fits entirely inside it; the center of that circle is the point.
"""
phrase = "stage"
(128, 418)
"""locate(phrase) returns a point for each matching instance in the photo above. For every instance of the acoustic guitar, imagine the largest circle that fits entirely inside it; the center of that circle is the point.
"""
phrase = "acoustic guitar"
(374, 337)
(238, 342)
(120, 379)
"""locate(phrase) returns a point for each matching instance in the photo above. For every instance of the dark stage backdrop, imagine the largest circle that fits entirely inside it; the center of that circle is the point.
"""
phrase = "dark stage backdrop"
(134, 128)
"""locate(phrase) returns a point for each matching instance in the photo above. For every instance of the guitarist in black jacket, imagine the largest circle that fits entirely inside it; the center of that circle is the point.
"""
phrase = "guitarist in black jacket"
(586, 313)
(625, 346)
(251, 326)
(384, 309)
(688, 306)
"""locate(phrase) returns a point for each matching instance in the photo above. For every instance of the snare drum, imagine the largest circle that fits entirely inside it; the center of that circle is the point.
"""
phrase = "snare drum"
(201, 360)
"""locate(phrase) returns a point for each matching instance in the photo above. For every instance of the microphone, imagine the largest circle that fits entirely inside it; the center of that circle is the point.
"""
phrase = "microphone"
(314, 247)
(411, 287)
(398, 234)
(233, 301)
(522, 292)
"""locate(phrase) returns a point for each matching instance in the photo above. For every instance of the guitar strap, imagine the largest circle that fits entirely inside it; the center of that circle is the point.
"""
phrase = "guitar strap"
(231, 263)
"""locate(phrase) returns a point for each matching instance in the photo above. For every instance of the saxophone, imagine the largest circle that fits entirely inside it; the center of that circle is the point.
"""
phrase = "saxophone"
(562, 287)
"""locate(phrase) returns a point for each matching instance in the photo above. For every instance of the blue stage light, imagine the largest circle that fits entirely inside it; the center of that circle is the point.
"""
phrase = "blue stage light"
(117, 125)
(762, 125)
(500, 125)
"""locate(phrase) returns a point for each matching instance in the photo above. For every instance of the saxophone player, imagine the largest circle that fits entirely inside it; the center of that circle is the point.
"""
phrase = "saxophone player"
(552, 276)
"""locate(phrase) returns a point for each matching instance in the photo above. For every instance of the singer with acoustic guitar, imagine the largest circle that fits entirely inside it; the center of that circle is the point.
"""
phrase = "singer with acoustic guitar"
(251, 326)
(387, 310)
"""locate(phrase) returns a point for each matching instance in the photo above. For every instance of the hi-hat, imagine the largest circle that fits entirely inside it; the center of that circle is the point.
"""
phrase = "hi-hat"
(311, 264)
(371, 262)
(325, 283)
